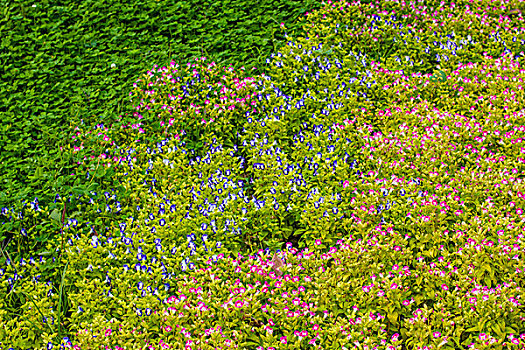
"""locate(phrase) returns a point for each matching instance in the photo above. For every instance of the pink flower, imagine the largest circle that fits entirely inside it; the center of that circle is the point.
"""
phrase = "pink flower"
(283, 339)
(393, 286)
(436, 334)
(444, 287)
(317, 242)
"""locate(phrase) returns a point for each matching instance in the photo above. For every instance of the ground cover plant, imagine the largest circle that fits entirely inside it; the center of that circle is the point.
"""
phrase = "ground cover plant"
(350, 198)
(73, 61)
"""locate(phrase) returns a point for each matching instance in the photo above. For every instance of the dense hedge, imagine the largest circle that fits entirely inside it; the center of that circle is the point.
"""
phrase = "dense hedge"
(349, 199)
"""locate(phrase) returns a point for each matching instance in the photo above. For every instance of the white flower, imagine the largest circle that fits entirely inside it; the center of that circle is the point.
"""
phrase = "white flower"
(113, 65)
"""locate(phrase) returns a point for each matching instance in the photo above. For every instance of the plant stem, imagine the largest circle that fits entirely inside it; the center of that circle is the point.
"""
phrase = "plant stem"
(62, 228)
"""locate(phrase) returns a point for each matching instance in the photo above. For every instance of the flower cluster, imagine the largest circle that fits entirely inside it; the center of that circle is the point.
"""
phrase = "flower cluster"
(391, 189)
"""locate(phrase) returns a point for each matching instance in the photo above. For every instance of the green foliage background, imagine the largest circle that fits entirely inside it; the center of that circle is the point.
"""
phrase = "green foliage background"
(83, 78)
(56, 69)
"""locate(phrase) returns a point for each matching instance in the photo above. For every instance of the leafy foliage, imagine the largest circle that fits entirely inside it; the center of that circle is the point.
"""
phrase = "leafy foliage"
(346, 198)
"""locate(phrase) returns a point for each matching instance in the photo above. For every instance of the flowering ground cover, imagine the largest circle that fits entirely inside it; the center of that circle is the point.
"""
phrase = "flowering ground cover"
(366, 194)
